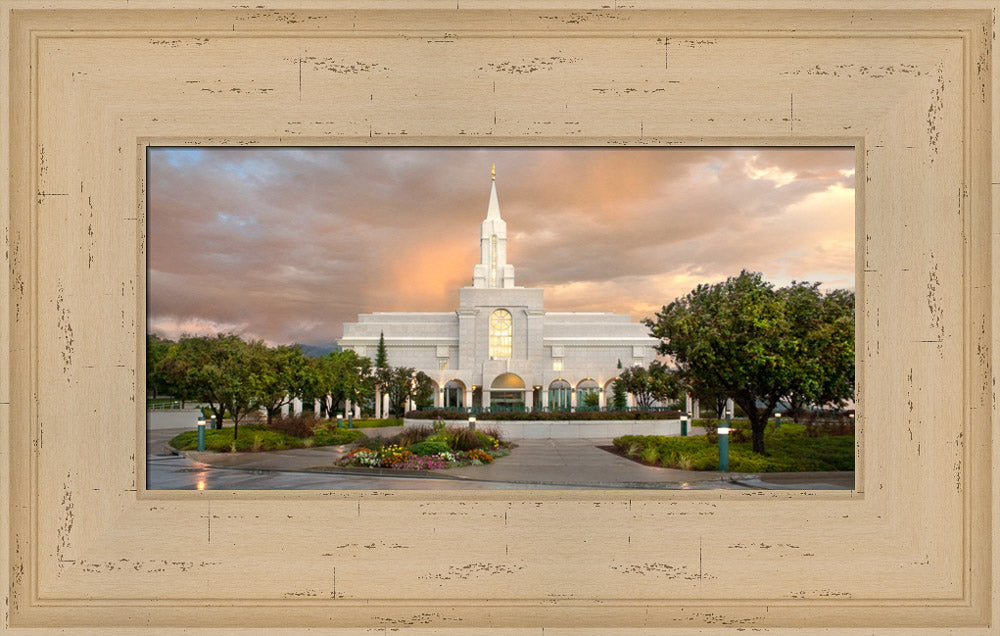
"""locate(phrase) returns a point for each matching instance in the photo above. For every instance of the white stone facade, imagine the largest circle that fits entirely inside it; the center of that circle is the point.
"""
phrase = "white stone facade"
(500, 347)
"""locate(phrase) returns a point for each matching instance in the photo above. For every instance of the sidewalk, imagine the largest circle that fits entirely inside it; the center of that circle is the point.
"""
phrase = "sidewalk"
(566, 462)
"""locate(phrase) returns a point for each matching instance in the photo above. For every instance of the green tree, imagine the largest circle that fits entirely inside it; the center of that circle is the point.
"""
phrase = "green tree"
(405, 384)
(343, 375)
(619, 396)
(826, 373)
(382, 376)
(657, 383)
(709, 397)
(381, 357)
(280, 377)
(754, 344)
(423, 393)
(156, 350)
(219, 370)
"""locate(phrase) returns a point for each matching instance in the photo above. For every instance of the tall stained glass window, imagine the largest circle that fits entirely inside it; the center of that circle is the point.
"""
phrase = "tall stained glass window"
(501, 334)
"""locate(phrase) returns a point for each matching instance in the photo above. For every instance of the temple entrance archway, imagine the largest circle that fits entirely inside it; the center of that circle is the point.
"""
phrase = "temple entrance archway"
(507, 393)
(454, 394)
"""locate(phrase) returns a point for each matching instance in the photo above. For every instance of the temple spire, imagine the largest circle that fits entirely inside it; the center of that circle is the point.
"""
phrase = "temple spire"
(493, 270)
(493, 212)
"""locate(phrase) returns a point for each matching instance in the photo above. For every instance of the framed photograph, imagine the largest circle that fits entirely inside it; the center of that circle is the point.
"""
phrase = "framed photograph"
(84, 543)
(461, 305)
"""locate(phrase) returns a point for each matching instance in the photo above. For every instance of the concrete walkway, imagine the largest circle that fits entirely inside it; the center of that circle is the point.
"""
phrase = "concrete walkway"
(578, 461)
(564, 462)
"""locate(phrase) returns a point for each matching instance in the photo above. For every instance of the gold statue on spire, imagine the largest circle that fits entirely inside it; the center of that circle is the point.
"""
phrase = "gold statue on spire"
(493, 173)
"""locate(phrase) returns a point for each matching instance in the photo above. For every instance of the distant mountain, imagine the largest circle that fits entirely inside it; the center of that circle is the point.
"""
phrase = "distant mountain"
(315, 351)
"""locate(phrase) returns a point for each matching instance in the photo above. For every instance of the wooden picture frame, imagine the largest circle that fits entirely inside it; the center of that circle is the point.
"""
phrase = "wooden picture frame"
(914, 89)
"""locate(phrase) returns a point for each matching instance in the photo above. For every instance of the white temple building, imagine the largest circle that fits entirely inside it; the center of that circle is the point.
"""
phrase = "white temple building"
(500, 348)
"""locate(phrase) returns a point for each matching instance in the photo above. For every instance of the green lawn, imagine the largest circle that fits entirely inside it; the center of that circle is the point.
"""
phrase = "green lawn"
(254, 437)
(787, 450)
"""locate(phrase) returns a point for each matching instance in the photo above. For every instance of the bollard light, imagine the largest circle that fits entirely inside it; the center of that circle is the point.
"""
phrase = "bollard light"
(472, 422)
(340, 420)
(350, 419)
(724, 443)
(777, 421)
(201, 434)
(212, 421)
(724, 449)
(684, 425)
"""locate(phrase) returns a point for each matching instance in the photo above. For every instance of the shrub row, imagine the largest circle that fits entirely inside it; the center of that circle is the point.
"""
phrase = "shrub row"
(543, 416)
(257, 437)
(786, 452)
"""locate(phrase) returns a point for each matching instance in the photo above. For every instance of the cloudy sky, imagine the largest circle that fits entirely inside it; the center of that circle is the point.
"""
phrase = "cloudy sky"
(287, 244)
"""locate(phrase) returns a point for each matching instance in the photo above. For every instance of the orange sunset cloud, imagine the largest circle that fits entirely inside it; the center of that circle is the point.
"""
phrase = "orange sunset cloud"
(287, 244)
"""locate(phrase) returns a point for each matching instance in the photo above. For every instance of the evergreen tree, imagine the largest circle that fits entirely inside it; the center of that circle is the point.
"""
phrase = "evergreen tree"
(381, 357)
(619, 396)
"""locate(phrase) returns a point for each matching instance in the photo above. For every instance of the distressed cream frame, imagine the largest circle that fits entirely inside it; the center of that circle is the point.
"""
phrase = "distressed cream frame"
(91, 82)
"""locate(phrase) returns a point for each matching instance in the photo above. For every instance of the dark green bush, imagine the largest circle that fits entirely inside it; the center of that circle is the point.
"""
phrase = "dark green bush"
(257, 437)
(252, 437)
(429, 448)
(336, 436)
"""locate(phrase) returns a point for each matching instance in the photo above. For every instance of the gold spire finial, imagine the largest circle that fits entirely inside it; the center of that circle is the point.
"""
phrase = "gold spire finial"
(493, 173)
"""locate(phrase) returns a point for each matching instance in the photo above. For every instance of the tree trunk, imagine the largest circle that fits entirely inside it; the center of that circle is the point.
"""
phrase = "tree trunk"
(219, 412)
(758, 437)
(758, 420)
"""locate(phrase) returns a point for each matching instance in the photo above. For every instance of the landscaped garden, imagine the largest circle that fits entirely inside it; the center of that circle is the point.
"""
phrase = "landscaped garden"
(791, 448)
(415, 448)
(302, 430)
(429, 448)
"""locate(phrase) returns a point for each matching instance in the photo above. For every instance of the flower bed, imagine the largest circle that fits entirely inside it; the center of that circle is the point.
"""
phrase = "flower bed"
(428, 448)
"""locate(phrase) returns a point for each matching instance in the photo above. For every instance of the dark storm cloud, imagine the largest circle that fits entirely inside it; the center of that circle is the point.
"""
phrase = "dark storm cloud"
(287, 244)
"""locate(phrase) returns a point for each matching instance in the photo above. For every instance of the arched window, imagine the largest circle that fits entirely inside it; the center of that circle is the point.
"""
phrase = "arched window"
(559, 392)
(454, 395)
(501, 334)
(588, 395)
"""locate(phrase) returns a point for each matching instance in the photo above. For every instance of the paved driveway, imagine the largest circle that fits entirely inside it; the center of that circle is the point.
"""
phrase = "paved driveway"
(533, 464)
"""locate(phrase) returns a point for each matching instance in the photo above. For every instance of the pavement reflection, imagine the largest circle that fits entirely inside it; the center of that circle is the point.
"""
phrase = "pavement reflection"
(173, 472)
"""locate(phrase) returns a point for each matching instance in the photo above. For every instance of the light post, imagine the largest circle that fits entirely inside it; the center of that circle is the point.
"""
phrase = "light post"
(684, 425)
(201, 434)
(777, 421)
(472, 422)
(724, 444)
